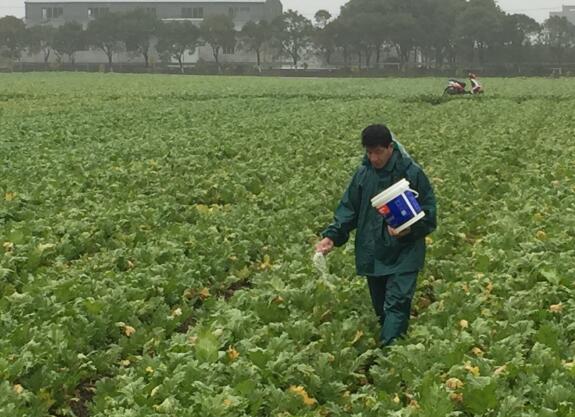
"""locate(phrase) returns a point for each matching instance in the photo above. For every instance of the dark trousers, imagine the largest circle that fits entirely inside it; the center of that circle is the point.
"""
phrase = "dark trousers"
(391, 297)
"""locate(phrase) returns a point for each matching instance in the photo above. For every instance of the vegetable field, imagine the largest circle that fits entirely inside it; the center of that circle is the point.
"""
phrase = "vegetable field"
(156, 242)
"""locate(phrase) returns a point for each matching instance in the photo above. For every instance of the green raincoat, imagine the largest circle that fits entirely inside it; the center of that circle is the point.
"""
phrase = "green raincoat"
(376, 252)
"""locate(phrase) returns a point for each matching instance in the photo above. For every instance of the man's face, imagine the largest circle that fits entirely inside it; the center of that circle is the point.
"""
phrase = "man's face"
(379, 155)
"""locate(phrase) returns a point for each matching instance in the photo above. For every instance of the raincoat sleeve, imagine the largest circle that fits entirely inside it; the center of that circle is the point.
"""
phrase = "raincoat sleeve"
(426, 200)
(346, 214)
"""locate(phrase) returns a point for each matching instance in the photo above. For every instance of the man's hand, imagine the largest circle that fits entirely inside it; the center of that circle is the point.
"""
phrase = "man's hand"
(393, 233)
(324, 246)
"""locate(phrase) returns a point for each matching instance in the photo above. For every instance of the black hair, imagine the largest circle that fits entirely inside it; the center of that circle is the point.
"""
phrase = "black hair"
(376, 135)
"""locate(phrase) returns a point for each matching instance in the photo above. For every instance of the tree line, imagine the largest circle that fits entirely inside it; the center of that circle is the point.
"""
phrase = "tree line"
(432, 33)
(440, 33)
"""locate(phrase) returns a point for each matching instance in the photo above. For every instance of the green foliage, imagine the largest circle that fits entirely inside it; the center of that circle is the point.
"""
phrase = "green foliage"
(255, 35)
(292, 34)
(559, 36)
(156, 243)
(177, 38)
(105, 33)
(136, 31)
(12, 37)
(69, 39)
(218, 31)
(41, 39)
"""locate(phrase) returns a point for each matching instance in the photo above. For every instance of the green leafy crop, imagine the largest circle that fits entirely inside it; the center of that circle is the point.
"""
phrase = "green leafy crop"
(156, 238)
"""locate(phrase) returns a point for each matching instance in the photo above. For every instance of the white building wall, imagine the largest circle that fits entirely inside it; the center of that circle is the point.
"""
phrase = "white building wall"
(568, 12)
(79, 12)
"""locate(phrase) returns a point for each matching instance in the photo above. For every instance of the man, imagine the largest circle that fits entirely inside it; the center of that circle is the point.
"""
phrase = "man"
(391, 261)
(476, 87)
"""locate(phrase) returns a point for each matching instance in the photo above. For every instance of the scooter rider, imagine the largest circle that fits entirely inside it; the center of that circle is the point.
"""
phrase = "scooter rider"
(476, 87)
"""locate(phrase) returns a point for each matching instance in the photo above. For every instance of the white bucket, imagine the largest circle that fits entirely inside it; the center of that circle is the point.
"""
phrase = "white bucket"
(399, 206)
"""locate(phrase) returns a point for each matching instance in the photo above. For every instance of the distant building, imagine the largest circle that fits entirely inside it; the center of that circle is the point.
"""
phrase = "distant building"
(57, 12)
(568, 12)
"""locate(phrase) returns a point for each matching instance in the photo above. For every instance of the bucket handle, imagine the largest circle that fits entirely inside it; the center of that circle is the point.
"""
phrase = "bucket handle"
(414, 192)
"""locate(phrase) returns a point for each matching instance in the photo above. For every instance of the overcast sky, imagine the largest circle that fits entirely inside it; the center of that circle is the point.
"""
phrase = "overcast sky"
(538, 9)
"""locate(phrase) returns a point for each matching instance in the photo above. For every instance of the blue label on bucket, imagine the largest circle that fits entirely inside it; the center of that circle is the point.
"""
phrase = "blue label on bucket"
(398, 211)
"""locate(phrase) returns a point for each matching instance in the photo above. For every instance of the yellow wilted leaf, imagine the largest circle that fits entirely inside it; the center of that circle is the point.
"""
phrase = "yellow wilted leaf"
(569, 365)
(428, 240)
(154, 391)
(18, 389)
(150, 370)
(500, 370)
(358, 335)
(456, 396)
(227, 402)
(202, 209)
(465, 287)
(204, 294)
(369, 401)
(9, 196)
(541, 235)
(474, 370)
(299, 390)
(8, 246)
(396, 399)
(489, 288)
(413, 404)
(278, 299)
(45, 246)
(477, 351)
(189, 293)
(46, 397)
(233, 354)
(556, 308)
(309, 401)
(177, 312)
(266, 263)
(454, 383)
(464, 324)
(125, 362)
(129, 330)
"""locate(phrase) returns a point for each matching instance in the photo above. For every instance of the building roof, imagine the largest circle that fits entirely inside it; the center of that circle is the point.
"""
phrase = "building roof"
(110, 2)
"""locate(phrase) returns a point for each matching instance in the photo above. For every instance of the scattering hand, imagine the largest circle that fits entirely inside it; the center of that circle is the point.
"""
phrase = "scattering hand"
(324, 246)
